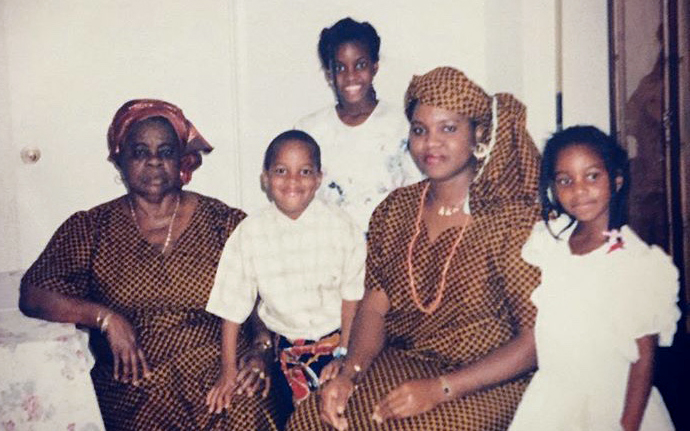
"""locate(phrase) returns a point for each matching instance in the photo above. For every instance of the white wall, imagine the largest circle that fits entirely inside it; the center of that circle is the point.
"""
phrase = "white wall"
(585, 63)
(68, 66)
(244, 70)
(280, 78)
(9, 223)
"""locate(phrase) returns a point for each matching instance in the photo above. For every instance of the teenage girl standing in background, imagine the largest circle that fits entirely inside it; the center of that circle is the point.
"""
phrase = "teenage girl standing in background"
(363, 140)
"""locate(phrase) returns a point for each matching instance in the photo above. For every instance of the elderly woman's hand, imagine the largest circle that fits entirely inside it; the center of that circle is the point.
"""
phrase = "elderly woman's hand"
(254, 373)
(129, 361)
(409, 399)
(334, 396)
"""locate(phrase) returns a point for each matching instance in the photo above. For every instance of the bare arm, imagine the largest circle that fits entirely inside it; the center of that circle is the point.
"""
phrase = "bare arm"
(366, 341)
(514, 358)
(417, 396)
(129, 361)
(57, 307)
(367, 334)
(220, 395)
(347, 315)
(639, 383)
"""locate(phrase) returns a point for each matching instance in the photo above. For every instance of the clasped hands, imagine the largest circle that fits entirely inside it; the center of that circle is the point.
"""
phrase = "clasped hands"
(247, 378)
(410, 398)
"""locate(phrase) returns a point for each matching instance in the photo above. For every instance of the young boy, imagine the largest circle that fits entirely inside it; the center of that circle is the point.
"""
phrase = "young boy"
(304, 261)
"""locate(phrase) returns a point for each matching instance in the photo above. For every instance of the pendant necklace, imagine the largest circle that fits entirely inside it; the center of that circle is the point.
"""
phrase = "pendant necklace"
(442, 285)
(170, 225)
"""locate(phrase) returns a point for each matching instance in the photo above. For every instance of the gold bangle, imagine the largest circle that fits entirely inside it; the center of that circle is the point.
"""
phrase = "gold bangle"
(357, 371)
(103, 321)
(263, 346)
(445, 386)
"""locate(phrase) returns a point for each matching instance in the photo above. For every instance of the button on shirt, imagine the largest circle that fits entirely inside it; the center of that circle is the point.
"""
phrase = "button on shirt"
(301, 270)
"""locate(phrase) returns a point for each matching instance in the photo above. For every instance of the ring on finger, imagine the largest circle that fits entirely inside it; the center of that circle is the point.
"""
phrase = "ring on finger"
(256, 370)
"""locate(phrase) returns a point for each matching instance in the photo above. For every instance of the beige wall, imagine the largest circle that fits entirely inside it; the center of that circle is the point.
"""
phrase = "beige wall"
(243, 70)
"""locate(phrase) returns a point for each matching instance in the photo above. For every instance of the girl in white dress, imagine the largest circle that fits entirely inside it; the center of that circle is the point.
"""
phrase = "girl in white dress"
(363, 139)
(606, 298)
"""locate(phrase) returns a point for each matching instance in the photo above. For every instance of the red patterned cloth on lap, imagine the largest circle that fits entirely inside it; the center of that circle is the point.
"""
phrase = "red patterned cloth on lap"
(302, 361)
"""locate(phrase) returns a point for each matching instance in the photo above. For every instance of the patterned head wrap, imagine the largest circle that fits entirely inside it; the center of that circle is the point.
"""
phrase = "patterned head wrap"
(192, 144)
(510, 170)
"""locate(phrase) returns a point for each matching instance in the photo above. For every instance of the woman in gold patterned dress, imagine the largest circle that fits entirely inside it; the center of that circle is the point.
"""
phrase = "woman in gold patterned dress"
(441, 340)
(138, 271)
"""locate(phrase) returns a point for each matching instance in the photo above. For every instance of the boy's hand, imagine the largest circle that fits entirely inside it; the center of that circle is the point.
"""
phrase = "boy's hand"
(220, 395)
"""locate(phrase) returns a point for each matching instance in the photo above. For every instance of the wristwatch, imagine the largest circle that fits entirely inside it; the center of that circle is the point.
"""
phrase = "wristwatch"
(339, 352)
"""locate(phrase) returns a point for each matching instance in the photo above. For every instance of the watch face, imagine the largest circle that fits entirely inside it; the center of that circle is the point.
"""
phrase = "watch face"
(339, 352)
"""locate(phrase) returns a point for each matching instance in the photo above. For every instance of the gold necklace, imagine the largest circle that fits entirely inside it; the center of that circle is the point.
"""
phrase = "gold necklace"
(442, 287)
(170, 225)
(449, 210)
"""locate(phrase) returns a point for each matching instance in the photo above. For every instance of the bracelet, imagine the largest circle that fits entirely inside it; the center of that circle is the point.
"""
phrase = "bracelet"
(356, 368)
(339, 352)
(445, 386)
(103, 321)
(263, 345)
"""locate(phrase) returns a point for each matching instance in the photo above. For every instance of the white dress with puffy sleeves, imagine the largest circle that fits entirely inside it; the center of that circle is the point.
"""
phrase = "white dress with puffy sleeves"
(591, 310)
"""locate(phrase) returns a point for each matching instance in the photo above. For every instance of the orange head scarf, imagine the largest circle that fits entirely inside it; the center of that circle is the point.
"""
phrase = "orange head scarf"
(192, 144)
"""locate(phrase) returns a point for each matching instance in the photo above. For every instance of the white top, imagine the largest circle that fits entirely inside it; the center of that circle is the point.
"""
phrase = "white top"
(301, 270)
(591, 309)
(361, 164)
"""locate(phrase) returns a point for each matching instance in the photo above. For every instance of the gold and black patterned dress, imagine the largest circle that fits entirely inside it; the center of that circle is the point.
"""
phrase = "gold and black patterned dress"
(486, 299)
(100, 255)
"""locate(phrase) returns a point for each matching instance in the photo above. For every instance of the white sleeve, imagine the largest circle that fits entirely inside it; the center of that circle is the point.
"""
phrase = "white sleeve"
(656, 297)
(234, 290)
(352, 288)
(533, 247)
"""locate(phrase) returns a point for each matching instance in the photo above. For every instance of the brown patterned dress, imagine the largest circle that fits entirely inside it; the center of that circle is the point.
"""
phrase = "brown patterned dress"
(486, 300)
(100, 255)
(488, 285)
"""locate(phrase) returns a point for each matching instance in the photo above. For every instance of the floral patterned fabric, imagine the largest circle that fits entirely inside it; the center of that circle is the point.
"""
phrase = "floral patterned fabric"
(43, 363)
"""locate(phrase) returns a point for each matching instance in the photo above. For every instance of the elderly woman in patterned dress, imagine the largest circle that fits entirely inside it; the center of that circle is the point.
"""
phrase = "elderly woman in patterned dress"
(138, 271)
(442, 339)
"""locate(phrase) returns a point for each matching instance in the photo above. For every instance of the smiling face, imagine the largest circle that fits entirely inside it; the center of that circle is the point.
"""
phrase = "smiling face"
(441, 142)
(292, 178)
(353, 73)
(150, 160)
(582, 185)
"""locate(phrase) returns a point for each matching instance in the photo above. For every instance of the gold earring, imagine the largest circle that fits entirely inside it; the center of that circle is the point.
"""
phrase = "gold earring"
(480, 151)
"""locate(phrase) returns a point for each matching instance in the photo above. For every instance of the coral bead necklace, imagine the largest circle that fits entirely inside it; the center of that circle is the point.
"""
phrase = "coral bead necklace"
(442, 285)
